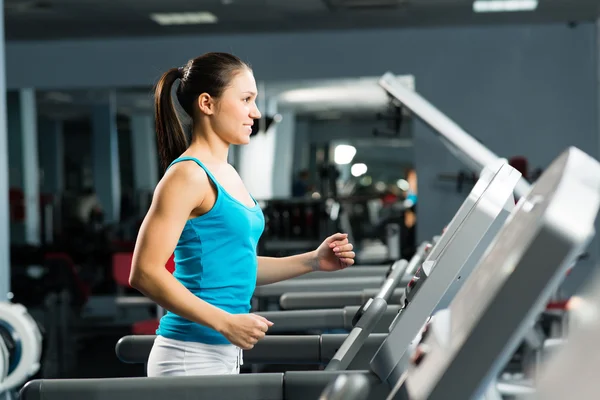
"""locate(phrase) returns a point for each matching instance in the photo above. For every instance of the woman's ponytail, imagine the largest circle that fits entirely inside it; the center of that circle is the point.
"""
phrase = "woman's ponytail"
(171, 139)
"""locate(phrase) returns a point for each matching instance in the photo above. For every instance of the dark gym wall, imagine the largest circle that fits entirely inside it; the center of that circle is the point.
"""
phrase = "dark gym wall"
(529, 90)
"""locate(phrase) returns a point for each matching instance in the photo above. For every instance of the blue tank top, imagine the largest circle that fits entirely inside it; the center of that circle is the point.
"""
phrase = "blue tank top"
(216, 259)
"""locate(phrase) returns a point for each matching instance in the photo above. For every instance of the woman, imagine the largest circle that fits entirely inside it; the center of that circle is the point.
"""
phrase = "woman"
(202, 211)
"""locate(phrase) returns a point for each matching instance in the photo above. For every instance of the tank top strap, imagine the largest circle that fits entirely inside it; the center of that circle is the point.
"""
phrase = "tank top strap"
(210, 175)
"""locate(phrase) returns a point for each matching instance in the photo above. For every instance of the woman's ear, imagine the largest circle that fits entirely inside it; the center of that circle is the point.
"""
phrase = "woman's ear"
(206, 104)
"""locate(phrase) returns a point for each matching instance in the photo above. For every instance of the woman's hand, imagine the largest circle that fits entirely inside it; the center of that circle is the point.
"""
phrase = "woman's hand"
(245, 330)
(334, 253)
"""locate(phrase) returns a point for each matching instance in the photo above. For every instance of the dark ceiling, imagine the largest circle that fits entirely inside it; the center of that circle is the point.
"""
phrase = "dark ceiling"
(75, 19)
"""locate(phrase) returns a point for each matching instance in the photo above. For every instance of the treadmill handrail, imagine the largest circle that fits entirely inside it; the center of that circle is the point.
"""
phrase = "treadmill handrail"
(419, 257)
(355, 271)
(291, 385)
(285, 321)
(310, 285)
(464, 146)
(304, 349)
(358, 335)
(398, 270)
(345, 387)
(320, 300)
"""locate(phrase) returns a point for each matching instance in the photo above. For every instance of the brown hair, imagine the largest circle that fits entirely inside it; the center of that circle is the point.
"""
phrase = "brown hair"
(210, 73)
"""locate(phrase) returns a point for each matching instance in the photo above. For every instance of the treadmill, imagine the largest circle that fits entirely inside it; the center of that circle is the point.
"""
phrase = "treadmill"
(347, 317)
(464, 348)
(338, 351)
(481, 215)
(265, 386)
(338, 299)
(457, 356)
(455, 254)
(330, 318)
(453, 258)
(447, 268)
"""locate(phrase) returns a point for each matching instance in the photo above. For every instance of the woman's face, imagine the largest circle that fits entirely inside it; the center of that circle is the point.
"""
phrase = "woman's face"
(236, 109)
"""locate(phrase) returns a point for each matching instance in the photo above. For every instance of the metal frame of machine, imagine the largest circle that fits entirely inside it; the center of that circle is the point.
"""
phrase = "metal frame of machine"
(462, 355)
(454, 257)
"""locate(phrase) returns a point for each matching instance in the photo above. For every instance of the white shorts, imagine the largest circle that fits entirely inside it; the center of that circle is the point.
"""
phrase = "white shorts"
(170, 357)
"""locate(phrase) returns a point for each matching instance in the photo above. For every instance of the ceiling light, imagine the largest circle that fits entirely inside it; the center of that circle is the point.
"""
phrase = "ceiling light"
(186, 18)
(343, 154)
(481, 6)
(358, 169)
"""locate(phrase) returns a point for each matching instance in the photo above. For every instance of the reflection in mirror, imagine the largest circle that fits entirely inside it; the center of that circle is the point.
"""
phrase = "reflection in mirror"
(352, 153)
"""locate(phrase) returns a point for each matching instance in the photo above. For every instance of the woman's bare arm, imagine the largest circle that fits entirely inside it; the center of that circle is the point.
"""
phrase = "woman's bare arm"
(277, 269)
